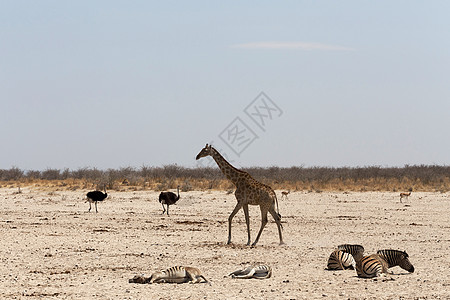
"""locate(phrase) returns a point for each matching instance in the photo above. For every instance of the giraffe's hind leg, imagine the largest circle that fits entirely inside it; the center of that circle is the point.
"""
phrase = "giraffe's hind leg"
(277, 219)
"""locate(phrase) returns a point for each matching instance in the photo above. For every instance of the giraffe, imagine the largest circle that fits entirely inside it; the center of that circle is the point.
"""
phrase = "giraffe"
(248, 192)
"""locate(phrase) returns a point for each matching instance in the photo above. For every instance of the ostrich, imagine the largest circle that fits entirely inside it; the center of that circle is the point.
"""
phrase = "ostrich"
(96, 196)
(168, 198)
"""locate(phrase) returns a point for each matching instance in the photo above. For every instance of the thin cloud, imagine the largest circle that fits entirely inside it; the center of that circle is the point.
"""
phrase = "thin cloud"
(292, 45)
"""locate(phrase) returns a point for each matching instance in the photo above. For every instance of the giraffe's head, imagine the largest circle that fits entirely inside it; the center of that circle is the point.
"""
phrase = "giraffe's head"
(205, 152)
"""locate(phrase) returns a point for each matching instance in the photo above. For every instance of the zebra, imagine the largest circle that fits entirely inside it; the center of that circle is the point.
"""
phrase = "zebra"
(177, 274)
(371, 266)
(396, 258)
(259, 272)
(344, 257)
(340, 260)
(353, 249)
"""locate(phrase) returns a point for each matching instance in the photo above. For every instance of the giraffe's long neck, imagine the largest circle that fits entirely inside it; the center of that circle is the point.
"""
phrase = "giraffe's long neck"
(232, 174)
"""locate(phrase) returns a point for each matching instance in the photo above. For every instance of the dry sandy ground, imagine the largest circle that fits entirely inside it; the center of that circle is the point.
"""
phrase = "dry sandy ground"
(51, 247)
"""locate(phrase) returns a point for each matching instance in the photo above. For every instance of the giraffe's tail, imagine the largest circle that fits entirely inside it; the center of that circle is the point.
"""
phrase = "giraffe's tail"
(278, 208)
(279, 215)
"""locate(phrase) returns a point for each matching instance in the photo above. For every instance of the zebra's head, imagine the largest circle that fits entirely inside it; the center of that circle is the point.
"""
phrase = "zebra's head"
(397, 258)
(404, 263)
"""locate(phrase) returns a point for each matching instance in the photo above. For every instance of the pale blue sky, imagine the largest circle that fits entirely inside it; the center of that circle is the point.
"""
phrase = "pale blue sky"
(112, 84)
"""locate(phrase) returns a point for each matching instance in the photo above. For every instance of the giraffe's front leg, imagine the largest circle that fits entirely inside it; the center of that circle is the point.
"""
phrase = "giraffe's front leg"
(247, 221)
(230, 218)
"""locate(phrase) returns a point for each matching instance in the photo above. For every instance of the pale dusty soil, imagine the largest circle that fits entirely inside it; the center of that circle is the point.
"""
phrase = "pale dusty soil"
(51, 247)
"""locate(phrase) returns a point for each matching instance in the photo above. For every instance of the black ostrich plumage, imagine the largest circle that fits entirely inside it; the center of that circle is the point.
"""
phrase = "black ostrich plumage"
(169, 198)
(96, 196)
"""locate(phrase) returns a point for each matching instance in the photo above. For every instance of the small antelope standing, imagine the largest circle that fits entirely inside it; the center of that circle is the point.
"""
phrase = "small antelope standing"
(404, 195)
(259, 272)
(285, 194)
(177, 274)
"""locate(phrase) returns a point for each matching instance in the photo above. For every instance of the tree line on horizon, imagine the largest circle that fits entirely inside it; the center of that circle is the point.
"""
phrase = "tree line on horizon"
(414, 177)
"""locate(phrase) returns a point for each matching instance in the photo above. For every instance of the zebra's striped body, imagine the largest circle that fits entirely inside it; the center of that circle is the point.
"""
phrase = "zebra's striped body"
(259, 272)
(353, 249)
(177, 274)
(340, 260)
(371, 266)
(396, 258)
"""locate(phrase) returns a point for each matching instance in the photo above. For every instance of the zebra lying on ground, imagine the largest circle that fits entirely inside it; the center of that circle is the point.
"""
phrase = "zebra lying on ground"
(259, 272)
(371, 266)
(353, 249)
(340, 260)
(344, 257)
(177, 274)
(377, 264)
(396, 258)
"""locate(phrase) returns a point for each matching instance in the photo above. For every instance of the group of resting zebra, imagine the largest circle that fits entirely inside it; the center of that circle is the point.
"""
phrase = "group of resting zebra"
(349, 256)
(346, 256)
(180, 274)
